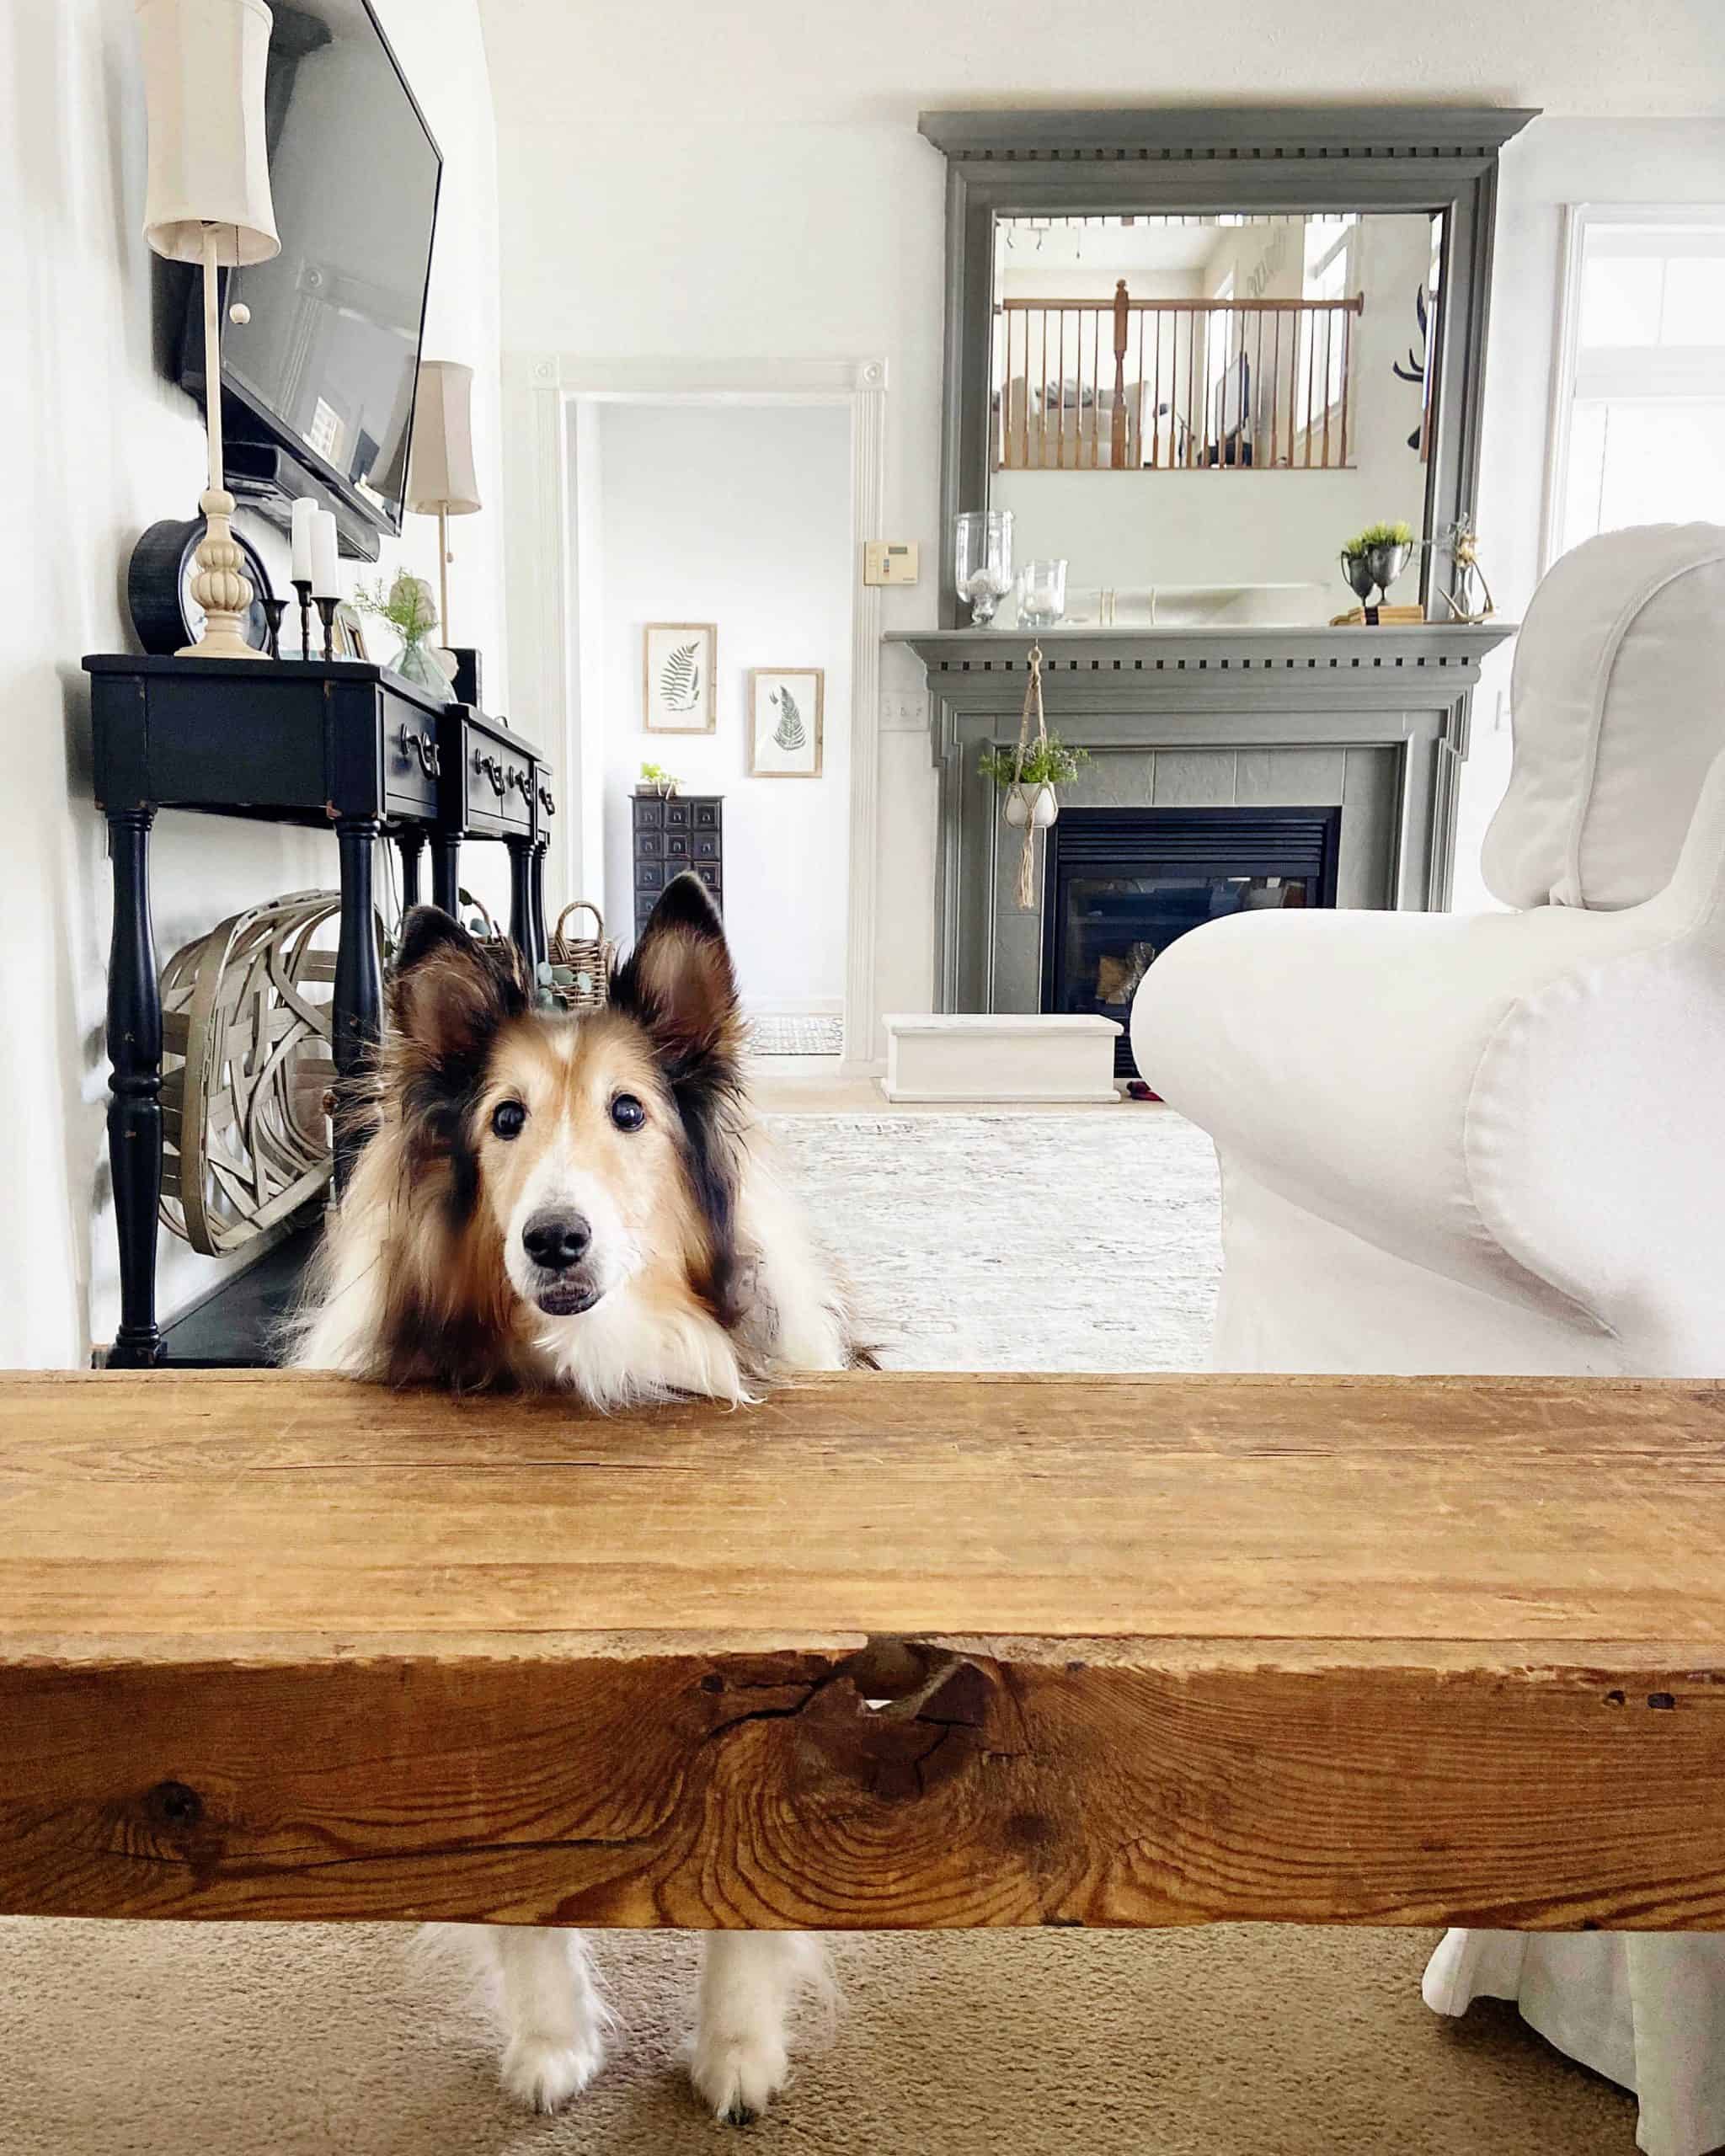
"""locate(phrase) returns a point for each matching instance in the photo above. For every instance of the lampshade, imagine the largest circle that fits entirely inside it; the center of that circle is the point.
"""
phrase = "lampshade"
(440, 473)
(204, 66)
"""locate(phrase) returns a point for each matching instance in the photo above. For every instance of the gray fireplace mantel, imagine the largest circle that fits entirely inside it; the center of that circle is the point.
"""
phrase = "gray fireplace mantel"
(1374, 720)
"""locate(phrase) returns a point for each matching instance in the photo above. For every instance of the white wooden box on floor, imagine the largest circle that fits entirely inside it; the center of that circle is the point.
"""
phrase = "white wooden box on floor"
(999, 1056)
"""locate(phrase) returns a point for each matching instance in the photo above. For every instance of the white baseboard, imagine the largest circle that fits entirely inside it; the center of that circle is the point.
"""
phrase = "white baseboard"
(1043, 1095)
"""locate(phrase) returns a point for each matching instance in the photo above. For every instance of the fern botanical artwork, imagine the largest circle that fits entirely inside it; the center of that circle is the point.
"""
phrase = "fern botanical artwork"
(678, 664)
(785, 721)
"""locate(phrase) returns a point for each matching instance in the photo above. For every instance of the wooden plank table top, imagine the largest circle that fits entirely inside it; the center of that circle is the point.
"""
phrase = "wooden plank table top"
(887, 1649)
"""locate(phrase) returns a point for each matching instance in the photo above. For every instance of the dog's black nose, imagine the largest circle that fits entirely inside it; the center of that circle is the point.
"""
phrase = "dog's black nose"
(557, 1241)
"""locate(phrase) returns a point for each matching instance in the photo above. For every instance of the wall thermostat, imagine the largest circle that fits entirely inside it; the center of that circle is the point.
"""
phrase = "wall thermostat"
(888, 561)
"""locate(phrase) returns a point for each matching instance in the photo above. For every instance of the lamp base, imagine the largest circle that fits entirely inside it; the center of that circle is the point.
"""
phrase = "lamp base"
(220, 587)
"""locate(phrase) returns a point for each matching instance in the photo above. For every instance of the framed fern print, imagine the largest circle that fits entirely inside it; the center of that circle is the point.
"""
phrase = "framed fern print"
(678, 664)
(785, 721)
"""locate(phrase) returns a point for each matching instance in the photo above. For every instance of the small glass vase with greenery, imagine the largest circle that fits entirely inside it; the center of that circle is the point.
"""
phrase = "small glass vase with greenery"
(408, 608)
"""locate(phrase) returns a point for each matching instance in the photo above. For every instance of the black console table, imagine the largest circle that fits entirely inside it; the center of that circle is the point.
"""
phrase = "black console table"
(346, 745)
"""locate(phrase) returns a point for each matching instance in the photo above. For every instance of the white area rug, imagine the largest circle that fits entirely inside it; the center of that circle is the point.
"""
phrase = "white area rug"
(804, 1035)
(1017, 1242)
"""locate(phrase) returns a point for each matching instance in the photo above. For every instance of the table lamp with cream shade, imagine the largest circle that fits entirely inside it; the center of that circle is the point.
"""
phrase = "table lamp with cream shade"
(441, 480)
(208, 202)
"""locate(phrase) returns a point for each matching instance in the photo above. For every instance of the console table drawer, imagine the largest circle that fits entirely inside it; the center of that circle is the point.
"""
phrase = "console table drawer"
(410, 768)
(499, 786)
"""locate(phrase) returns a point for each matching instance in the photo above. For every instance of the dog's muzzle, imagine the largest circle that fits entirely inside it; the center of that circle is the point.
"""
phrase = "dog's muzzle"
(557, 1242)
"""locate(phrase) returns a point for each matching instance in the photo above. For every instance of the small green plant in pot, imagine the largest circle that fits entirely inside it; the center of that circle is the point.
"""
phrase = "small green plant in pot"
(655, 779)
(1048, 762)
(1373, 559)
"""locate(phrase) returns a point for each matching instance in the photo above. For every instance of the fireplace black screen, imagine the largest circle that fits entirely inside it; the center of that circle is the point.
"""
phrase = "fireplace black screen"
(1122, 884)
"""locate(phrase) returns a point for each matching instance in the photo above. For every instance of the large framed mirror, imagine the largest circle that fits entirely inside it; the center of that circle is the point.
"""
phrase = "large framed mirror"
(1193, 354)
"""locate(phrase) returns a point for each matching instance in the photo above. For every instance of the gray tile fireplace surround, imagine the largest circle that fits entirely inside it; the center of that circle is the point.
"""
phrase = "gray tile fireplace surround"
(1372, 721)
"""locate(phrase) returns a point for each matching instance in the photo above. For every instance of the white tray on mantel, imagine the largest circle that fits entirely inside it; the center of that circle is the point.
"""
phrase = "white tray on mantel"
(999, 1056)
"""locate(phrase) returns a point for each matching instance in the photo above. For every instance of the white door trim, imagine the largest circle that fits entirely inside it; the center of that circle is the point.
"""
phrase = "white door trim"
(539, 390)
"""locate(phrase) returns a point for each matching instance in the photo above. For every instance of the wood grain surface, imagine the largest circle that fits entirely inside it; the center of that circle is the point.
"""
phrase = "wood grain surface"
(887, 1650)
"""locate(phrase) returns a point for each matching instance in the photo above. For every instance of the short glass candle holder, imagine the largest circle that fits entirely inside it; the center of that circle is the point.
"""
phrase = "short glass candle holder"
(1042, 595)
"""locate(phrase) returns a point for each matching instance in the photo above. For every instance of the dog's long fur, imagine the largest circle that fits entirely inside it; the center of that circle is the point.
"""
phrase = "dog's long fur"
(619, 1141)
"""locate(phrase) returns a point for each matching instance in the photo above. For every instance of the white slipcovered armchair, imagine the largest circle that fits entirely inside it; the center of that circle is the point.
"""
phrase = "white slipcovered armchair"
(1496, 1142)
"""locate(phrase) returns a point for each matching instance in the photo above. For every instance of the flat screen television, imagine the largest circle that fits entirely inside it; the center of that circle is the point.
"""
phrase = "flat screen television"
(324, 370)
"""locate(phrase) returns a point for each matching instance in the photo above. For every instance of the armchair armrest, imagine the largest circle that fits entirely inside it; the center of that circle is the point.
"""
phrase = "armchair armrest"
(1526, 1103)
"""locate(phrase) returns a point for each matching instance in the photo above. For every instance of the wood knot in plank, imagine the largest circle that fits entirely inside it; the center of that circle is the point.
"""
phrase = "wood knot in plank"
(899, 1718)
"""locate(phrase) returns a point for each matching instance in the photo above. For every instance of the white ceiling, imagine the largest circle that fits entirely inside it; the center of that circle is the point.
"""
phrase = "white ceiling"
(790, 63)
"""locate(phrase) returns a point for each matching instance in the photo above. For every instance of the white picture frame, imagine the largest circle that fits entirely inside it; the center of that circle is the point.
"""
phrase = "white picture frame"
(785, 721)
(679, 660)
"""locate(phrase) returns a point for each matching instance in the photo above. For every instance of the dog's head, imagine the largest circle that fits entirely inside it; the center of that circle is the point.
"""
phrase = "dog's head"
(575, 1153)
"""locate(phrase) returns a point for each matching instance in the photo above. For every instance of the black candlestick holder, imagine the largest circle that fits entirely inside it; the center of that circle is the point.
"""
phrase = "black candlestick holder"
(302, 585)
(274, 609)
(326, 614)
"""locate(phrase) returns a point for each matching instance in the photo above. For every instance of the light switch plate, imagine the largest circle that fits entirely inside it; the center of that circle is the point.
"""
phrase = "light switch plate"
(889, 561)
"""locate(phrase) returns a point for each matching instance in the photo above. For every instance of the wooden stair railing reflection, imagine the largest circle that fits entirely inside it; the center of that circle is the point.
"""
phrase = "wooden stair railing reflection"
(1300, 351)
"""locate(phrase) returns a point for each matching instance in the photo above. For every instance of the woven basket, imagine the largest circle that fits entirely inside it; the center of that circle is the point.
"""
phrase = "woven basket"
(246, 1084)
(580, 965)
(488, 934)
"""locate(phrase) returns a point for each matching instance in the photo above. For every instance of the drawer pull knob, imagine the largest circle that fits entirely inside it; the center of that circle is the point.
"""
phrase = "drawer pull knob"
(545, 802)
(492, 770)
(415, 744)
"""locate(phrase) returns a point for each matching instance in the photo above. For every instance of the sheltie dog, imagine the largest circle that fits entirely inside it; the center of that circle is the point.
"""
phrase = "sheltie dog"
(552, 1201)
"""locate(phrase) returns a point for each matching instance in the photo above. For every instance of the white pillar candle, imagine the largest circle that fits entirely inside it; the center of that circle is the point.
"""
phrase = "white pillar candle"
(326, 577)
(305, 508)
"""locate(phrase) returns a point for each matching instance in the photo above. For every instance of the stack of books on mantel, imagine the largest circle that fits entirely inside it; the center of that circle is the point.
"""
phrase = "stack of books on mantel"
(1388, 617)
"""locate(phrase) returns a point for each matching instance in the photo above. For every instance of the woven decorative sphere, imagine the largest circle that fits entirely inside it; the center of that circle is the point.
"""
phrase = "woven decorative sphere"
(247, 1071)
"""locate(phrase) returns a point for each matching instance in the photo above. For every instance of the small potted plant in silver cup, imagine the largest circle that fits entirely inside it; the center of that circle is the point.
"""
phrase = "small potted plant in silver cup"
(1373, 560)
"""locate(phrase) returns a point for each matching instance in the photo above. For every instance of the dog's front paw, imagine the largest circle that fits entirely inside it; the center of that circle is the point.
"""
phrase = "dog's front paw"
(739, 2076)
(543, 2074)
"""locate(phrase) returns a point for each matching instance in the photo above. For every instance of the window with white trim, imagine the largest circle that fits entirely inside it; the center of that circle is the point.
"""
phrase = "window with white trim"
(1639, 418)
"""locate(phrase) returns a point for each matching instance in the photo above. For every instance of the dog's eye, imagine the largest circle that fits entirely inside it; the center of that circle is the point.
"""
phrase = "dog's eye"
(627, 1112)
(508, 1119)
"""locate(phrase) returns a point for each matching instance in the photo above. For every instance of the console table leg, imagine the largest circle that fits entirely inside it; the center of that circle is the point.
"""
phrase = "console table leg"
(135, 1103)
(536, 898)
(357, 1011)
(522, 930)
(446, 871)
(410, 842)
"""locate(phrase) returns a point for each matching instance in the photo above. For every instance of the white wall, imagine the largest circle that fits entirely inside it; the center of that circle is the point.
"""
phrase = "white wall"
(739, 515)
(100, 446)
(780, 202)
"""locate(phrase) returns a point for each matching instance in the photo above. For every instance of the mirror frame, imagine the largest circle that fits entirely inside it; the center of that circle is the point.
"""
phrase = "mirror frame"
(1287, 162)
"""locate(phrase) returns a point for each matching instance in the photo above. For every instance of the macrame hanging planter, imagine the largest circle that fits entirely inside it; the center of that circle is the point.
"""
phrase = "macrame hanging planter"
(1032, 805)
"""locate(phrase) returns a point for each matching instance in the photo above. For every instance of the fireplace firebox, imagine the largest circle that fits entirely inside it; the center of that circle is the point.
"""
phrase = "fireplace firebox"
(1122, 884)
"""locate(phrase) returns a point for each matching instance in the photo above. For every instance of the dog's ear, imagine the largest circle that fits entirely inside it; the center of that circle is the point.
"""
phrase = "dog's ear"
(448, 994)
(679, 983)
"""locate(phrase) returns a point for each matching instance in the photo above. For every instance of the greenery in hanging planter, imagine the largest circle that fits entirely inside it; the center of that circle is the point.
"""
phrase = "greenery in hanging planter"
(1046, 763)
(1380, 535)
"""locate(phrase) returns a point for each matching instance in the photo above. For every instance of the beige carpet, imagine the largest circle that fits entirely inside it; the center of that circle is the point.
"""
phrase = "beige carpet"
(182, 2039)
